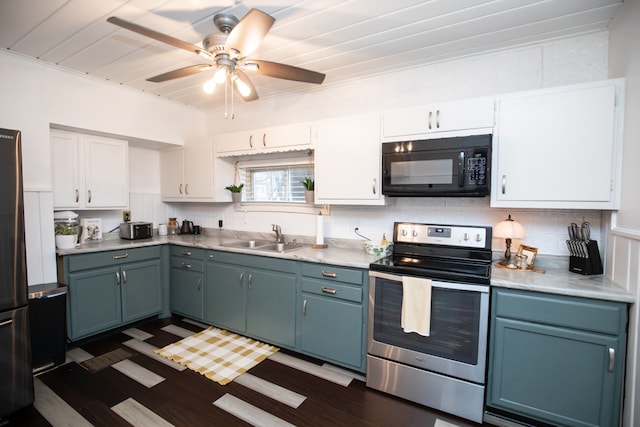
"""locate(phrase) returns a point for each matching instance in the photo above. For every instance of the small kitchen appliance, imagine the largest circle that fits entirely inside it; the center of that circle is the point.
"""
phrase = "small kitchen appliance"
(450, 167)
(136, 230)
(445, 366)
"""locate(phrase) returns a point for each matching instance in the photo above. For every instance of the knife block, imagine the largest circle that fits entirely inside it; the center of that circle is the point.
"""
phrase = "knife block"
(590, 265)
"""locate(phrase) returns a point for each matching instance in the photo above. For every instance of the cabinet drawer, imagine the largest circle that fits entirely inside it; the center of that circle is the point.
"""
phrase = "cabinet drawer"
(332, 290)
(577, 313)
(109, 258)
(253, 261)
(187, 263)
(333, 273)
(186, 251)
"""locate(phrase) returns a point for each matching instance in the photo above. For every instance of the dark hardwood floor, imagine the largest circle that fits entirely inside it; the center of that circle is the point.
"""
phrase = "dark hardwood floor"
(185, 398)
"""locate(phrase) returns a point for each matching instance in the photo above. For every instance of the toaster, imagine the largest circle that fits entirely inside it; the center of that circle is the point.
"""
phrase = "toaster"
(136, 230)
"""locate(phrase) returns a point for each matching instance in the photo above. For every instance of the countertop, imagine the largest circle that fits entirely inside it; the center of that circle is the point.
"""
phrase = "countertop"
(343, 252)
(556, 278)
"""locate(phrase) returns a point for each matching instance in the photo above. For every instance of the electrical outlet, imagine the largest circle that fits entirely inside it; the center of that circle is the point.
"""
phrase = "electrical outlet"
(126, 216)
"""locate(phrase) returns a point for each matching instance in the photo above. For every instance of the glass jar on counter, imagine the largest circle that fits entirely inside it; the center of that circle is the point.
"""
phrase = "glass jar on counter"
(172, 226)
(66, 228)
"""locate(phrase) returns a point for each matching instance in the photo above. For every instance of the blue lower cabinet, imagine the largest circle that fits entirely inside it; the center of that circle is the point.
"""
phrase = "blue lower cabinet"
(112, 288)
(555, 359)
(252, 295)
(333, 314)
(186, 281)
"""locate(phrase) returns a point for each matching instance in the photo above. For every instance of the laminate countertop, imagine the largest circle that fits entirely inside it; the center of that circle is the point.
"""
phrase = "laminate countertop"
(555, 279)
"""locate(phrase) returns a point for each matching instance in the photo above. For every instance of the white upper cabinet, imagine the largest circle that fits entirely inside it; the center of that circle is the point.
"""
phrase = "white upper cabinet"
(268, 140)
(348, 161)
(559, 148)
(187, 173)
(89, 172)
(466, 117)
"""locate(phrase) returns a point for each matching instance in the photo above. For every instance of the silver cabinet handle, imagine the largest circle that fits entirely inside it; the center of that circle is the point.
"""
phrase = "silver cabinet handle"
(438, 119)
(6, 322)
(77, 195)
(504, 184)
(241, 279)
(612, 358)
(373, 186)
(304, 307)
(430, 115)
(118, 278)
(180, 189)
(264, 139)
(187, 253)
(250, 280)
(329, 291)
(186, 189)
(250, 141)
(200, 284)
(185, 265)
(89, 201)
(124, 277)
(121, 256)
(329, 274)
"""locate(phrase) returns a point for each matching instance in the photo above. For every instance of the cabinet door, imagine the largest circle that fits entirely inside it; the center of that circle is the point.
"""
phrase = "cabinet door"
(141, 286)
(171, 174)
(186, 292)
(284, 136)
(557, 375)
(198, 172)
(224, 296)
(65, 170)
(458, 116)
(234, 142)
(271, 301)
(106, 173)
(332, 329)
(94, 301)
(348, 161)
(556, 149)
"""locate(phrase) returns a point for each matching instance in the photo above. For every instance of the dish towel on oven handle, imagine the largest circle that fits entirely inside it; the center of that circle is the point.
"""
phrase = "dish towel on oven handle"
(416, 305)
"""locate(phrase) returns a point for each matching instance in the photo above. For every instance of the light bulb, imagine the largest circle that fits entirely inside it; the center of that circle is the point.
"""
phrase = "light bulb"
(243, 88)
(209, 86)
(220, 76)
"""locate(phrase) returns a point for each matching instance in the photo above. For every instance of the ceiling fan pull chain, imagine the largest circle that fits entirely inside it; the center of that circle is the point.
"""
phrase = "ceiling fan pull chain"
(226, 104)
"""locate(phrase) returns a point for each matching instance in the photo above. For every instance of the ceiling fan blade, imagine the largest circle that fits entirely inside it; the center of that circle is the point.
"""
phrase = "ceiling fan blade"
(287, 72)
(247, 81)
(156, 35)
(249, 32)
(180, 72)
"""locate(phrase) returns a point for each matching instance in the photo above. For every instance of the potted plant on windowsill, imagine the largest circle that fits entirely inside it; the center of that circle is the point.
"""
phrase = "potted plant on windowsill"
(236, 192)
(309, 190)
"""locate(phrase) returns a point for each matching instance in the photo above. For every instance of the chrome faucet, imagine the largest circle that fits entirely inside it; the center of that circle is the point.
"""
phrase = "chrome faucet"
(278, 230)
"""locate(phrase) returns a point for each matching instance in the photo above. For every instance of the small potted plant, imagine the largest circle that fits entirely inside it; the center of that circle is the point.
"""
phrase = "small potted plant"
(236, 191)
(309, 188)
(66, 235)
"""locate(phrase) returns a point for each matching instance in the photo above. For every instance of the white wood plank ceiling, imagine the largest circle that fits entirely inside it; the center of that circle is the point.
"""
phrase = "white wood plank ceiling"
(345, 39)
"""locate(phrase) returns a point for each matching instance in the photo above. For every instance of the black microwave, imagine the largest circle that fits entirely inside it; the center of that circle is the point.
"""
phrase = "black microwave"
(443, 167)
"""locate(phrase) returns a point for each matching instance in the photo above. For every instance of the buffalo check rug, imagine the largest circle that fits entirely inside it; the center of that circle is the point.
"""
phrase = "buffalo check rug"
(218, 354)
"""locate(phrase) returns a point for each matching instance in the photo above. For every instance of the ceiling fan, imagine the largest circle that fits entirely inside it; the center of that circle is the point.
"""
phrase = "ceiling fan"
(228, 50)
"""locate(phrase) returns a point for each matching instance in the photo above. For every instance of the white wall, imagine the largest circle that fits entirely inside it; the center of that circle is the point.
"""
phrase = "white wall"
(36, 96)
(623, 253)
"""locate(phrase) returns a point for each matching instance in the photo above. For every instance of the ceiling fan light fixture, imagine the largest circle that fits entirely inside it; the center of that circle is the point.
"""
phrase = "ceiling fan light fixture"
(209, 86)
(221, 75)
(243, 88)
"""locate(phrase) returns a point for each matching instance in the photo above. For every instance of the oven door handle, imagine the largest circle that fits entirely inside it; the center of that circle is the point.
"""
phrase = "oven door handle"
(434, 283)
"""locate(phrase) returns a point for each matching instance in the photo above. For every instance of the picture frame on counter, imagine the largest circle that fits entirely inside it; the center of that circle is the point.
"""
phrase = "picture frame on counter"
(530, 252)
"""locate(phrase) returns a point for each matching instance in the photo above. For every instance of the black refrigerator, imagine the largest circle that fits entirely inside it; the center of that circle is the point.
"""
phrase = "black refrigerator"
(16, 375)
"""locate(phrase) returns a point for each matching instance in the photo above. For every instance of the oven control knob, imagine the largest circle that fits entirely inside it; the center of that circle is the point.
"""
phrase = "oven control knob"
(404, 232)
(478, 238)
(465, 237)
(415, 233)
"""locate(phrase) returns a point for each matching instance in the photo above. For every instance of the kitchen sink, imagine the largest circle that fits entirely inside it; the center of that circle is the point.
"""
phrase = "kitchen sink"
(252, 244)
(263, 245)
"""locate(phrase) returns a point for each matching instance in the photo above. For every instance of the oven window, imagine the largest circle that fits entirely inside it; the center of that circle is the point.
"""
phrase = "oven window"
(422, 172)
(455, 322)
